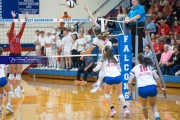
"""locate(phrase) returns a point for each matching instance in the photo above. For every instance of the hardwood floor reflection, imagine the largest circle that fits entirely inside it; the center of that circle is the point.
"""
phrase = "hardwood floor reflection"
(49, 99)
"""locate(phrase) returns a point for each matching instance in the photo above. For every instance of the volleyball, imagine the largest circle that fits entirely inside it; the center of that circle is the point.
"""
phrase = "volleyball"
(70, 3)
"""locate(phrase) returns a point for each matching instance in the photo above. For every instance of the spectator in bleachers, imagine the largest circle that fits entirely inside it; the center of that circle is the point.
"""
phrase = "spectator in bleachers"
(174, 62)
(56, 29)
(42, 44)
(162, 2)
(166, 55)
(154, 17)
(61, 25)
(151, 10)
(175, 30)
(114, 42)
(54, 49)
(158, 20)
(145, 42)
(66, 49)
(81, 44)
(121, 14)
(148, 53)
(163, 31)
(81, 30)
(150, 25)
(110, 24)
(158, 49)
(176, 10)
(48, 49)
(87, 38)
(74, 52)
(37, 44)
(153, 39)
(158, 7)
(121, 10)
(86, 69)
(59, 50)
(172, 44)
(178, 43)
(167, 10)
(146, 4)
(172, 2)
(73, 31)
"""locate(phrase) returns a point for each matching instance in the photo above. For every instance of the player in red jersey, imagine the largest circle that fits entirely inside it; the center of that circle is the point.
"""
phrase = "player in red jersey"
(15, 50)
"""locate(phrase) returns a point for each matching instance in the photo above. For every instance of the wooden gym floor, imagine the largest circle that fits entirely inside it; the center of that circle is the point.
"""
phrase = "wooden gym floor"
(52, 99)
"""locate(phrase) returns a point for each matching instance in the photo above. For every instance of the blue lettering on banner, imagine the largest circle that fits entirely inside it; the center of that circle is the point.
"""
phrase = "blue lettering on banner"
(30, 6)
(125, 51)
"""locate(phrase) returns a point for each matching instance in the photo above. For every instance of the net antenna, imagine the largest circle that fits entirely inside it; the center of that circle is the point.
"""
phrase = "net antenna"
(121, 25)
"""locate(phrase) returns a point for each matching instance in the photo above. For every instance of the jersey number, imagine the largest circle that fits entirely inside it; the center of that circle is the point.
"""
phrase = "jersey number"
(17, 39)
(143, 68)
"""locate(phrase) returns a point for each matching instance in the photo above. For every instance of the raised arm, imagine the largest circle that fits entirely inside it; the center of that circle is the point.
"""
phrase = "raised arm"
(12, 25)
(90, 14)
(23, 26)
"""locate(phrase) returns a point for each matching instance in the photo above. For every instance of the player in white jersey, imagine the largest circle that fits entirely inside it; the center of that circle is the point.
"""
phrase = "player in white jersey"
(145, 74)
(112, 75)
(4, 85)
(100, 40)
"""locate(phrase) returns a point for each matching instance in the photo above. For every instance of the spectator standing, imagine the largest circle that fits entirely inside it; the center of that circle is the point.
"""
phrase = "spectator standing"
(87, 38)
(74, 52)
(37, 44)
(81, 44)
(137, 13)
(42, 44)
(64, 17)
(166, 55)
(58, 52)
(66, 49)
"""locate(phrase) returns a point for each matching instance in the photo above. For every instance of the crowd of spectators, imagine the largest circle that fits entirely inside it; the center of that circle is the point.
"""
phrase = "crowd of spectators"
(162, 22)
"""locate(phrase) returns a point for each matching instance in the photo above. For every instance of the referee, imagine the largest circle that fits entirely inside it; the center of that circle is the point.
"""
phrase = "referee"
(136, 14)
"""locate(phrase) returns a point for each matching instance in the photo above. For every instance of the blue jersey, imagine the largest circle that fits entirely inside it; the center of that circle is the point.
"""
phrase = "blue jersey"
(138, 10)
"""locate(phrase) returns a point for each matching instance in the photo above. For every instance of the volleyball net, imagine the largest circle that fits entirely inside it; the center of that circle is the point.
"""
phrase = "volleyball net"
(55, 55)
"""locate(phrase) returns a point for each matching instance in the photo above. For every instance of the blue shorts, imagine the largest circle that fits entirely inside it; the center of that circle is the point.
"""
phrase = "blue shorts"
(113, 80)
(147, 91)
(3, 81)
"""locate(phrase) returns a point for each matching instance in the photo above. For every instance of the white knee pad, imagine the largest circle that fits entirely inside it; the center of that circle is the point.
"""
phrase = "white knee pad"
(11, 76)
(1, 95)
(120, 96)
(101, 74)
(107, 96)
(18, 77)
(143, 107)
(153, 107)
(10, 92)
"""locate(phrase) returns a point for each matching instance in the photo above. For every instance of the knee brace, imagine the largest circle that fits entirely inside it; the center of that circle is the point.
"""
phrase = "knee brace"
(11, 76)
(18, 77)
(107, 96)
(101, 74)
(143, 107)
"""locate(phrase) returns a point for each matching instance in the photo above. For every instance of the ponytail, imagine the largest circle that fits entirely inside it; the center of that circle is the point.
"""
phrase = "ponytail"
(109, 55)
(103, 35)
(144, 60)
